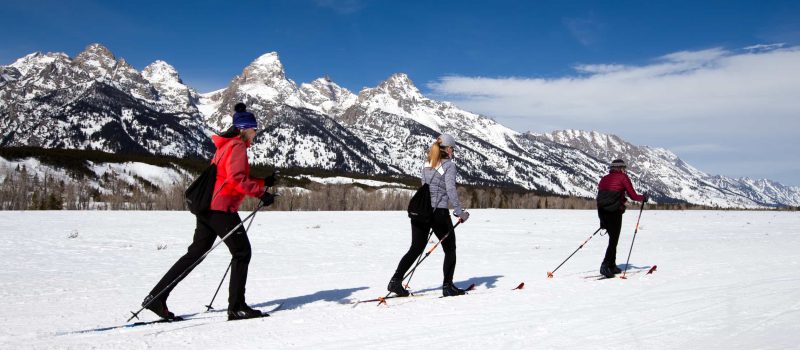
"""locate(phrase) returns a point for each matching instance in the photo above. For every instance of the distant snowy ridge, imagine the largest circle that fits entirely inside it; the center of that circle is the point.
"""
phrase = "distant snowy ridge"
(96, 101)
(666, 174)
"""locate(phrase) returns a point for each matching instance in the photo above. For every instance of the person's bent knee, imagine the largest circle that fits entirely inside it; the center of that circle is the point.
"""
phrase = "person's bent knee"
(243, 255)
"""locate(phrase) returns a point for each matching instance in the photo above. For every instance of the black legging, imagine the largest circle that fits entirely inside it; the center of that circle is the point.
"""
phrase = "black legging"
(441, 225)
(612, 222)
(209, 226)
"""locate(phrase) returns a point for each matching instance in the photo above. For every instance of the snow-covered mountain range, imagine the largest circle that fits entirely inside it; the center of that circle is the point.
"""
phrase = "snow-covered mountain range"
(98, 101)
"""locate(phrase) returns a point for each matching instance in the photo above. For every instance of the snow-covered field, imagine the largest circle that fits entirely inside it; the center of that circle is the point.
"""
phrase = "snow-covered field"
(724, 280)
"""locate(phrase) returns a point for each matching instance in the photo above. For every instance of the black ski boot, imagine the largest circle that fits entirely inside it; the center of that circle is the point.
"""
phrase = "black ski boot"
(159, 307)
(606, 271)
(450, 290)
(616, 269)
(396, 286)
(244, 312)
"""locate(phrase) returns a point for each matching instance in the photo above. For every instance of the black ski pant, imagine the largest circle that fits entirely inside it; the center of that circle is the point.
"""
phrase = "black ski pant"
(612, 222)
(211, 225)
(441, 225)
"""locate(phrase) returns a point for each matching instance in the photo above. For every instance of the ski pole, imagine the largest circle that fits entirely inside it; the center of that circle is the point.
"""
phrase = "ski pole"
(209, 307)
(409, 273)
(418, 259)
(185, 272)
(550, 273)
(632, 241)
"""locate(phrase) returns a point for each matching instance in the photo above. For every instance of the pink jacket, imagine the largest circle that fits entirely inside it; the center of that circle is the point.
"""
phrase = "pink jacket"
(617, 181)
(233, 175)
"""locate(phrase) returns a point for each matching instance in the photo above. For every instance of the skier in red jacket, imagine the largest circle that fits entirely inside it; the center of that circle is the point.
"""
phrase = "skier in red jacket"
(233, 183)
(610, 207)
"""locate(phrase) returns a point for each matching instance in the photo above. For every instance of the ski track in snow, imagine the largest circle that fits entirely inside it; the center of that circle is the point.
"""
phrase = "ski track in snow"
(725, 280)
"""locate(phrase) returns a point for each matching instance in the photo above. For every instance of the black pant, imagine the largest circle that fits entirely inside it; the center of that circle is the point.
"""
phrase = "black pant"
(612, 222)
(441, 225)
(209, 226)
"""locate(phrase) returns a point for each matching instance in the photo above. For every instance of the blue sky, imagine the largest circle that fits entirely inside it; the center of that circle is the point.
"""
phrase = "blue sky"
(449, 47)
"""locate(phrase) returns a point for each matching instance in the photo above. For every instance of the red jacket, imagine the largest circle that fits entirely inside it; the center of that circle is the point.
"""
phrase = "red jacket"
(618, 182)
(233, 175)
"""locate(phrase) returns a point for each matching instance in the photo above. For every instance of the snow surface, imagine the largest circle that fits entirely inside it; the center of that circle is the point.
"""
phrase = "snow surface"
(725, 280)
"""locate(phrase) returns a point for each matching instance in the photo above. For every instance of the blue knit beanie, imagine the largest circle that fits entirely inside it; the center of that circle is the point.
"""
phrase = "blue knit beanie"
(244, 120)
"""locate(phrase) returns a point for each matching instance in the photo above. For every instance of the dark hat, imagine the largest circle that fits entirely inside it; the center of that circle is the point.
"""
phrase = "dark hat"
(239, 107)
(244, 120)
(618, 163)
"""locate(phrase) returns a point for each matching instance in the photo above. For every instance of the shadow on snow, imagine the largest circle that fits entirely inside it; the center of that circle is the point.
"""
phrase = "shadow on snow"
(488, 281)
(340, 296)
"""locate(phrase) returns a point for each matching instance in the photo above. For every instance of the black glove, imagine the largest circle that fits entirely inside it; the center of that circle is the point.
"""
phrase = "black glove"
(269, 181)
(267, 198)
(646, 197)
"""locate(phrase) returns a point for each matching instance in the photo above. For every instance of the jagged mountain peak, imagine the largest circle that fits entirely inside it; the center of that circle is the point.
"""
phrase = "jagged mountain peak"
(400, 77)
(323, 80)
(160, 71)
(171, 89)
(97, 60)
(36, 61)
(325, 96)
(262, 86)
(268, 59)
(327, 87)
(123, 64)
(400, 87)
(96, 51)
(610, 142)
(267, 68)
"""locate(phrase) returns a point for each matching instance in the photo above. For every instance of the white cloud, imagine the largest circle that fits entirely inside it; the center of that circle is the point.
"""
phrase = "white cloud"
(737, 100)
(764, 47)
(599, 68)
(695, 57)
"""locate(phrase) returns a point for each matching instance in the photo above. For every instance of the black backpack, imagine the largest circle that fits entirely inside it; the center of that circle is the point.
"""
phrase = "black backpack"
(200, 192)
(419, 207)
(609, 200)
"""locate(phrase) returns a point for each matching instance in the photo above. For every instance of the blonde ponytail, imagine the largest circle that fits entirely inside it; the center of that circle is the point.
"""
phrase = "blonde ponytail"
(435, 154)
